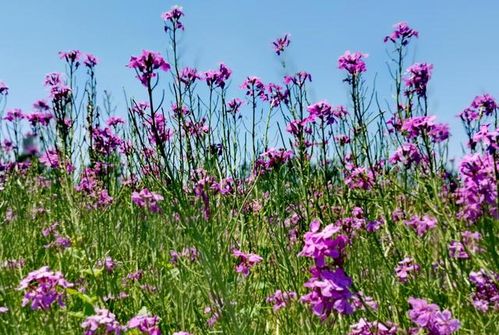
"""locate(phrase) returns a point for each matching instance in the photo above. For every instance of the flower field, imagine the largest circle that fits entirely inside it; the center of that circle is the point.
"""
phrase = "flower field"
(214, 207)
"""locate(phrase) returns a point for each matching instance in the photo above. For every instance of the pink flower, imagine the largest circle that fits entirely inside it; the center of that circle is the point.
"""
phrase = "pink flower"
(246, 261)
(147, 64)
(281, 43)
(148, 325)
(147, 199)
(352, 63)
(104, 321)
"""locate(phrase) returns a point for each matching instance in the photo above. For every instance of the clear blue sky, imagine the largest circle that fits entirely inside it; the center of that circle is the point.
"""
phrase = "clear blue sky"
(459, 37)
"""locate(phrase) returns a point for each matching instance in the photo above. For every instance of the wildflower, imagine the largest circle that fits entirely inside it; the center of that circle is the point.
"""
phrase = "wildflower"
(234, 105)
(14, 114)
(50, 159)
(4, 89)
(281, 43)
(421, 224)
(246, 261)
(72, 57)
(330, 292)
(113, 121)
(486, 290)
(173, 16)
(147, 325)
(408, 154)
(280, 299)
(359, 177)
(277, 95)
(484, 104)
(254, 87)
(189, 75)
(104, 321)
(3, 309)
(401, 32)
(299, 79)
(323, 111)
(90, 61)
(217, 78)
(147, 199)
(107, 263)
(271, 159)
(489, 139)
(405, 269)
(322, 244)
(39, 118)
(352, 63)
(43, 287)
(146, 64)
(468, 243)
(419, 125)
(364, 327)
(428, 316)
(54, 79)
(418, 76)
(181, 333)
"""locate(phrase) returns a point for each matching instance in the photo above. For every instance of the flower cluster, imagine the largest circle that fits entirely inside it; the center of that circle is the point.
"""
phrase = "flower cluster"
(280, 299)
(421, 224)
(419, 125)
(364, 327)
(4, 89)
(353, 63)
(403, 33)
(468, 245)
(271, 159)
(486, 294)
(418, 76)
(405, 269)
(103, 321)
(43, 287)
(478, 192)
(325, 112)
(147, 199)
(254, 88)
(217, 78)
(246, 261)
(281, 43)
(173, 16)
(429, 317)
(148, 325)
(147, 64)
(408, 154)
(359, 177)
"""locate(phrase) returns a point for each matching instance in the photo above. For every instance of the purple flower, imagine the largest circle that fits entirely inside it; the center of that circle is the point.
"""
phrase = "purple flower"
(173, 16)
(325, 243)
(364, 327)
(246, 261)
(43, 287)
(418, 125)
(147, 199)
(421, 224)
(181, 333)
(359, 177)
(271, 159)
(401, 32)
(146, 64)
(148, 325)
(323, 111)
(484, 104)
(234, 105)
(90, 61)
(254, 87)
(4, 89)
(417, 78)
(408, 154)
(189, 75)
(468, 243)
(281, 43)
(39, 118)
(72, 56)
(299, 79)
(280, 299)
(107, 263)
(217, 78)
(113, 121)
(277, 95)
(54, 79)
(486, 290)
(14, 114)
(429, 317)
(330, 292)
(352, 63)
(406, 268)
(50, 159)
(104, 321)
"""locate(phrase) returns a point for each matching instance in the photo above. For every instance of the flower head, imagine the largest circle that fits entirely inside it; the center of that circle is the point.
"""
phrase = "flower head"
(281, 43)
(418, 76)
(403, 33)
(104, 321)
(173, 16)
(146, 65)
(353, 63)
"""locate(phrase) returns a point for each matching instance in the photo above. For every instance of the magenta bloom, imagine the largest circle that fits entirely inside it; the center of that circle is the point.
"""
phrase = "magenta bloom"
(72, 56)
(234, 105)
(246, 261)
(113, 121)
(277, 95)
(299, 79)
(147, 64)
(189, 75)
(173, 16)
(359, 177)
(147, 199)
(43, 287)
(103, 322)
(352, 63)
(14, 114)
(418, 76)
(417, 125)
(486, 290)
(39, 118)
(254, 87)
(364, 327)
(148, 325)
(408, 154)
(323, 111)
(469, 244)
(402, 32)
(330, 292)
(325, 243)
(90, 61)
(50, 159)
(271, 159)
(281, 43)
(217, 78)
(406, 268)
(4, 89)
(429, 317)
(421, 224)
(280, 299)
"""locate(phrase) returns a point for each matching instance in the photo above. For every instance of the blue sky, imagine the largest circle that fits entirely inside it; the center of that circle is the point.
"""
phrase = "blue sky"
(459, 37)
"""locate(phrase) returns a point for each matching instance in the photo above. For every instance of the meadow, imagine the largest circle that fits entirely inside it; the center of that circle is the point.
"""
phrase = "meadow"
(214, 207)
